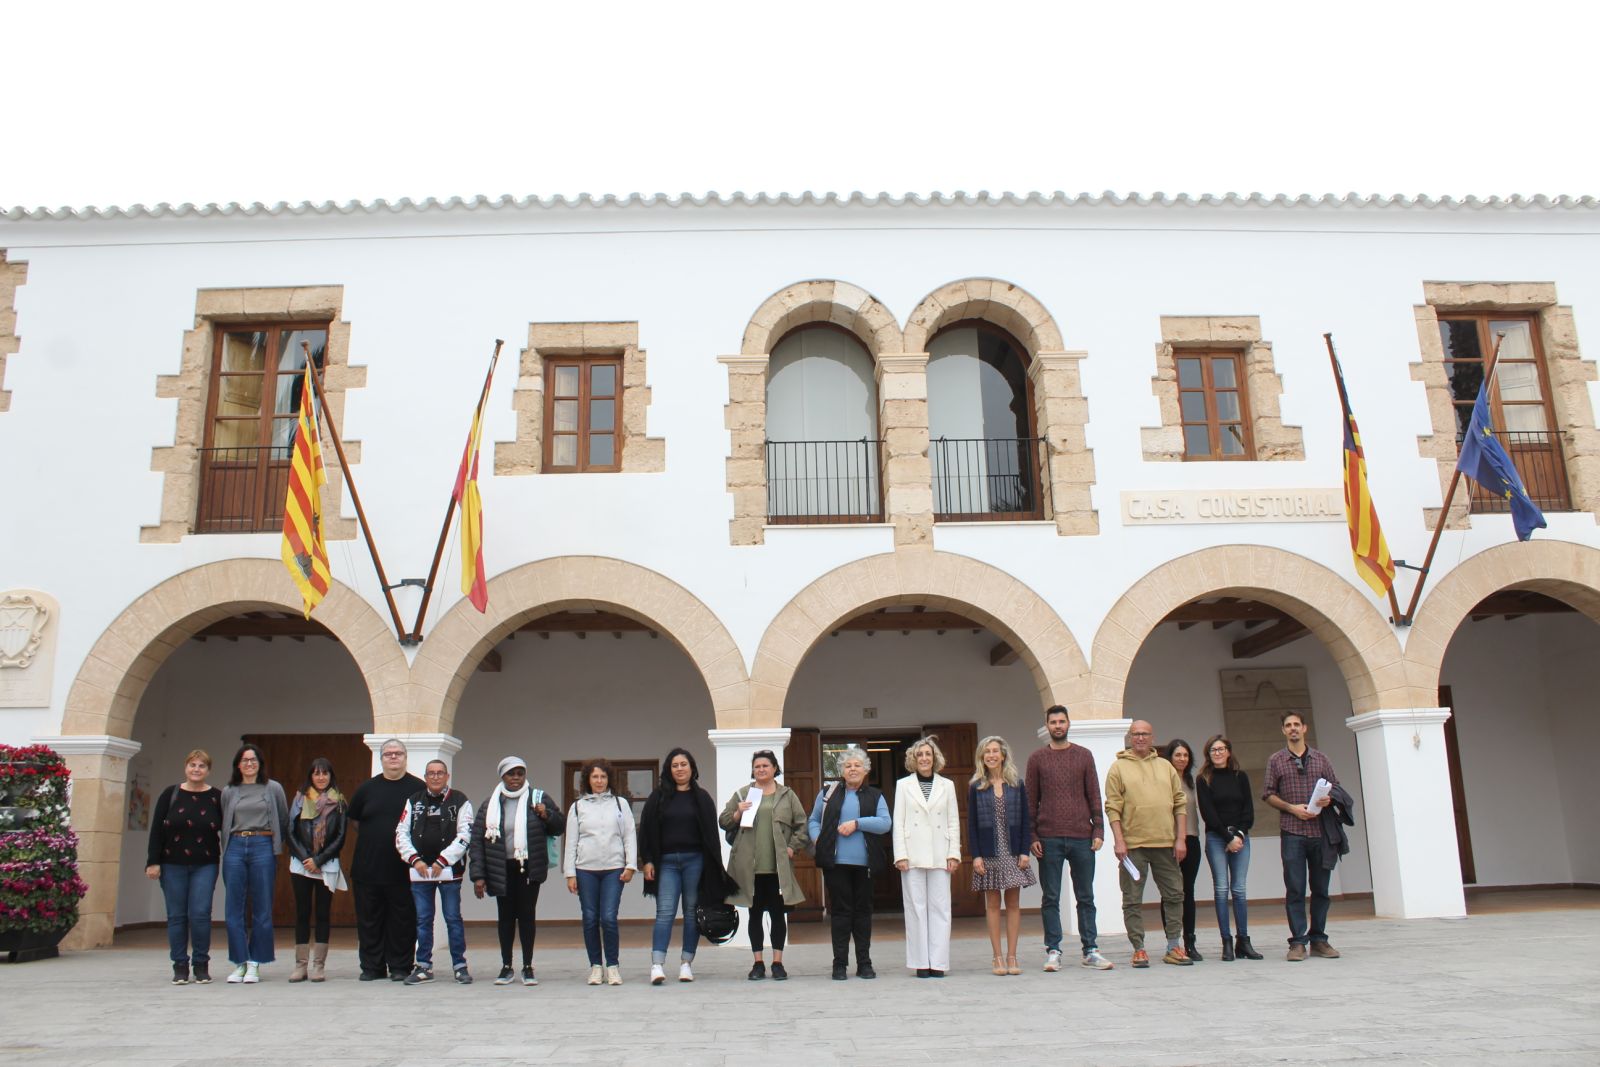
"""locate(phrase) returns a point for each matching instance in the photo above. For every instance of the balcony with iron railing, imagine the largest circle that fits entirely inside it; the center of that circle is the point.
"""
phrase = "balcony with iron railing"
(242, 489)
(824, 482)
(988, 479)
(1539, 462)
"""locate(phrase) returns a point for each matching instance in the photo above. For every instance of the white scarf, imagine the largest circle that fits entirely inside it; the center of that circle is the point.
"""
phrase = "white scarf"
(519, 826)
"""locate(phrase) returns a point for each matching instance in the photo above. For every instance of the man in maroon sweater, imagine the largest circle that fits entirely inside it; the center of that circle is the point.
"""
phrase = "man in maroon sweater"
(1068, 827)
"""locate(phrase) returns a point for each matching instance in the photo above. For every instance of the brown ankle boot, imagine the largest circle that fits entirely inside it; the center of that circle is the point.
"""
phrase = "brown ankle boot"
(301, 953)
(319, 958)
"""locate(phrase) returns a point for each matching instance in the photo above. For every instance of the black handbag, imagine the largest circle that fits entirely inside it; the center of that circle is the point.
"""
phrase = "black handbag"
(717, 922)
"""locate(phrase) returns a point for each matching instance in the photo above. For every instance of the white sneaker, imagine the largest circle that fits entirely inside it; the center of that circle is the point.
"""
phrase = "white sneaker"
(657, 975)
(1093, 959)
(236, 975)
(596, 975)
(684, 973)
(252, 973)
(613, 976)
(1052, 960)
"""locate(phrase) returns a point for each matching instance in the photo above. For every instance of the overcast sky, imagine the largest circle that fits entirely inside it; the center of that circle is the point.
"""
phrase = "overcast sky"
(143, 103)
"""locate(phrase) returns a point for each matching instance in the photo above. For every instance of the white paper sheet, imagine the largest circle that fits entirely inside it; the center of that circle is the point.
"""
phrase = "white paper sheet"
(1318, 791)
(753, 795)
(1127, 865)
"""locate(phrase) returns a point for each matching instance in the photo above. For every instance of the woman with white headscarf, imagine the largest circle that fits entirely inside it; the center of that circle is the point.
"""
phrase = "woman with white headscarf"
(510, 859)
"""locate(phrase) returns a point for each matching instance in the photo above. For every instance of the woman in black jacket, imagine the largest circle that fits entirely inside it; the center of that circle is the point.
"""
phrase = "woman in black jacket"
(510, 859)
(681, 857)
(316, 833)
(1229, 810)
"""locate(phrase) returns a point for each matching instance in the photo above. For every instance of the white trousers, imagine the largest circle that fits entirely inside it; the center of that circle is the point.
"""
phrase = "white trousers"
(927, 904)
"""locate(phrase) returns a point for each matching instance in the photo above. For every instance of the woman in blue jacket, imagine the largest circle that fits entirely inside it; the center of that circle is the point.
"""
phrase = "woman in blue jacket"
(999, 828)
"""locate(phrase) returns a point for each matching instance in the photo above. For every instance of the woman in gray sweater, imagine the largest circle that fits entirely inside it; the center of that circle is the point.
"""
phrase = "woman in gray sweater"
(255, 823)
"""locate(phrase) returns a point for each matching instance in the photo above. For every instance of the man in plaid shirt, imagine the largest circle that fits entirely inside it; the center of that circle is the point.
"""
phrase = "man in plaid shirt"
(1292, 773)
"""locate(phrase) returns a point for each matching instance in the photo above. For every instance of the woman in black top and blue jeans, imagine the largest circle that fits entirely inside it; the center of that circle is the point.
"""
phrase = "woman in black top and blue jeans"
(1229, 810)
(681, 859)
(185, 850)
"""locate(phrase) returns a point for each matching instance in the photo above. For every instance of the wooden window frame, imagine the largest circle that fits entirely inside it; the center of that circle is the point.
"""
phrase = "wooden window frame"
(269, 474)
(585, 366)
(1208, 389)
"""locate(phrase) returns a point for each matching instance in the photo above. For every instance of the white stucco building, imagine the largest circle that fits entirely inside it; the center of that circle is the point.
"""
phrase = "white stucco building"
(802, 471)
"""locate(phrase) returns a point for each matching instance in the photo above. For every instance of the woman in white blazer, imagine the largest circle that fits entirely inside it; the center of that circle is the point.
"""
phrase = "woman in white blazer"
(927, 851)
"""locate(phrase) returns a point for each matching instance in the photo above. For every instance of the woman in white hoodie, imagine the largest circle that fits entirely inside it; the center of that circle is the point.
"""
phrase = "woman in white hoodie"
(600, 858)
(927, 851)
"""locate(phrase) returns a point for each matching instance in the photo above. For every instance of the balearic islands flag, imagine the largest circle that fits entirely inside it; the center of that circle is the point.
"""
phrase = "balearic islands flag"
(1367, 545)
(304, 552)
(473, 583)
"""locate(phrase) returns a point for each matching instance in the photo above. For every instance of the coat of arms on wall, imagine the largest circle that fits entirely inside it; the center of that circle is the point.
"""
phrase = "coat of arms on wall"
(22, 622)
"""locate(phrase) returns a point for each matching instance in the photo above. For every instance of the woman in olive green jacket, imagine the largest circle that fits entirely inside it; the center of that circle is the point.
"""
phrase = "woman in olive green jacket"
(762, 860)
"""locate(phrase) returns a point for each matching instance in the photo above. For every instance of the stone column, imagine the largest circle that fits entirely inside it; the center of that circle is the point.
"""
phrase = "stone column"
(99, 766)
(1062, 415)
(735, 749)
(1104, 738)
(420, 750)
(746, 419)
(1409, 816)
(903, 426)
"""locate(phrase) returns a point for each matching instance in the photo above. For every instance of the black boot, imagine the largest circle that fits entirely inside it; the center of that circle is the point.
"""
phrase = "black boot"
(1227, 951)
(1245, 950)
(1194, 954)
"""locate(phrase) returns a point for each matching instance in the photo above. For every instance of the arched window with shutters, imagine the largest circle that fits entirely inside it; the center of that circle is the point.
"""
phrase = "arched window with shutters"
(822, 429)
(983, 447)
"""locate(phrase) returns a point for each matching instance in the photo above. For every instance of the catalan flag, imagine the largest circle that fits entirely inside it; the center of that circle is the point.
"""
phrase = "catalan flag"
(1367, 545)
(304, 552)
(473, 583)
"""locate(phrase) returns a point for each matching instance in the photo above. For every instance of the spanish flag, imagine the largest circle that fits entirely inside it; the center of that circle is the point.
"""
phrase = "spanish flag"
(1366, 536)
(473, 583)
(304, 552)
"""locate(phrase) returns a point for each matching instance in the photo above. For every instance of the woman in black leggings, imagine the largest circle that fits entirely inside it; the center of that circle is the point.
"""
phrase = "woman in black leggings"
(762, 859)
(1181, 756)
(509, 858)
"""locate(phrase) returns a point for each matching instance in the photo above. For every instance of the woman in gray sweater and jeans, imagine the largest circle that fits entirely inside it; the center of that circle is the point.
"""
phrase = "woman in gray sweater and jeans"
(255, 822)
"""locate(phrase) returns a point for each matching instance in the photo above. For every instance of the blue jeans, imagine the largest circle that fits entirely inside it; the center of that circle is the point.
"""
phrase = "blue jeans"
(1300, 856)
(599, 895)
(248, 871)
(1078, 854)
(450, 901)
(188, 894)
(677, 876)
(1228, 870)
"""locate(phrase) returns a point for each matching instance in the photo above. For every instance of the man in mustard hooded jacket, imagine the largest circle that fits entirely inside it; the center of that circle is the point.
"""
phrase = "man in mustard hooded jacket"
(1148, 813)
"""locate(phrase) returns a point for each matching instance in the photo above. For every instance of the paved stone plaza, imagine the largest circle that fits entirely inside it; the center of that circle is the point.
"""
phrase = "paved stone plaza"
(1502, 987)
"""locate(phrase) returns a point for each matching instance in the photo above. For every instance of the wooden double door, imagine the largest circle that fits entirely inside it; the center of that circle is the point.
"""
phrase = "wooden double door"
(805, 770)
(288, 758)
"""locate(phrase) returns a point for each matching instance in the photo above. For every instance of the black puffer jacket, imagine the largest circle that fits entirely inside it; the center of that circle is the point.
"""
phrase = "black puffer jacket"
(488, 858)
(300, 832)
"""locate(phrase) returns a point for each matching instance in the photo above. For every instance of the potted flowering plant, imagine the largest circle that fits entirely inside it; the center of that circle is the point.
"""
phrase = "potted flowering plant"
(39, 883)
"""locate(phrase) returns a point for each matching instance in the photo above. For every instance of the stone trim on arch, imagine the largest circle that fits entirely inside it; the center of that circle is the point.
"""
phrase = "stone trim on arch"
(1569, 375)
(1561, 569)
(12, 275)
(1341, 615)
(745, 416)
(450, 653)
(179, 462)
(1001, 303)
(940, 580)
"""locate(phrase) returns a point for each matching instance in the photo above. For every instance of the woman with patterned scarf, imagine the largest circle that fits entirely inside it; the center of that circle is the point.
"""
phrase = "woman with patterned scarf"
(510, 858)
(317, 824)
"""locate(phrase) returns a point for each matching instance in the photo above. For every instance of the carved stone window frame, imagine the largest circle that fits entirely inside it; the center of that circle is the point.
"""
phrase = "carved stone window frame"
(1568, 375)
(12, 275)
(1263, 385)
(179, 462)
(640, 454)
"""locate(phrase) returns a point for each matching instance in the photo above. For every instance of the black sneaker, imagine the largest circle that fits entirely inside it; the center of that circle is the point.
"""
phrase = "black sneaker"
(864, 970)
(463, 976)
(418, 975)
(840, 972)
(180, 973)
(758, 971)
(778, 973)
(398, 976)
(202, 973)
(528, 977)
(507, 976)
(935, 974)
(924, 972)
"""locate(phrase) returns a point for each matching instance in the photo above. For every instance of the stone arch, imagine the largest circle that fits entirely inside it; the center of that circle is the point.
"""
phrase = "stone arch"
(822, 300)
(1341, 615)
(942, 580)
(1569, 572)
(452, 651)
(997, 302)
(105, 694)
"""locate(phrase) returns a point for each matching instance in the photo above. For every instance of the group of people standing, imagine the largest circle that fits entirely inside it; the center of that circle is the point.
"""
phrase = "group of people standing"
(420, 841)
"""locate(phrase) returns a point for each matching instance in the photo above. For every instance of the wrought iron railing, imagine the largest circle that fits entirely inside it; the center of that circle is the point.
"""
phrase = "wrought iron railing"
(1541, 466)
(824, 481)
(242, 489)
(990, 478)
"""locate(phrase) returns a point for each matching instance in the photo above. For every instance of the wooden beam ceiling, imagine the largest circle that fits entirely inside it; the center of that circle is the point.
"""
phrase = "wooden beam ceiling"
(1275, 636)
(1515, 603)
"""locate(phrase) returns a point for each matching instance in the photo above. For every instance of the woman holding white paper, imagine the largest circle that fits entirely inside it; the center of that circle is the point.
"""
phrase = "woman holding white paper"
(769, 824)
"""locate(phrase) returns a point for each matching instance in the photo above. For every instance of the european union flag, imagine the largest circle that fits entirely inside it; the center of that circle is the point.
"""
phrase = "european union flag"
(1484, 460)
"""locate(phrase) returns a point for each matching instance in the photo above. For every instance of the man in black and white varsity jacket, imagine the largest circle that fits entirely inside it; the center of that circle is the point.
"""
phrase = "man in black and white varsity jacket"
(432, 837)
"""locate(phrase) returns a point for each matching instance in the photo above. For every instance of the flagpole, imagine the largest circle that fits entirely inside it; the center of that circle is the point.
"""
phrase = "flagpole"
(1450, 495)
(350, 483)
(1344, 402)
(449, 513)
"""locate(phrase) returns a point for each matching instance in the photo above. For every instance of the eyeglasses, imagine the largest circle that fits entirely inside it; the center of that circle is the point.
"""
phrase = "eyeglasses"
(394, 755)
(249, 759)
(1141, 733)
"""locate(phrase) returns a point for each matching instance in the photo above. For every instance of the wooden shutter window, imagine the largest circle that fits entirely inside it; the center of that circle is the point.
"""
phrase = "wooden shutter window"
(1214, 406)
(583, 408)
